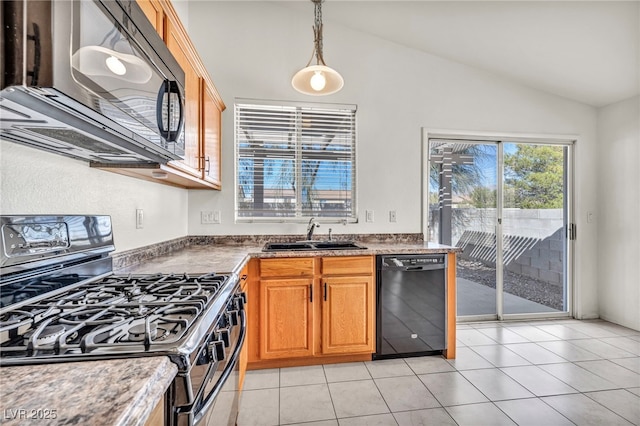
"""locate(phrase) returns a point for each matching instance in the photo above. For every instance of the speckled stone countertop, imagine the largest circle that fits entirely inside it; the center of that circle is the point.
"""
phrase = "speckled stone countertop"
(109, 392)
(125, 391)
(232, 258)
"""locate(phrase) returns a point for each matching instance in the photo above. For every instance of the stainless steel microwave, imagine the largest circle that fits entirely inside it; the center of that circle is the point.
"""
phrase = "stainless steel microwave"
(89, 79)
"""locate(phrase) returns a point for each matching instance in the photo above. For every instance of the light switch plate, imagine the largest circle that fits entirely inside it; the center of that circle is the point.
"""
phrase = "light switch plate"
(139, 219)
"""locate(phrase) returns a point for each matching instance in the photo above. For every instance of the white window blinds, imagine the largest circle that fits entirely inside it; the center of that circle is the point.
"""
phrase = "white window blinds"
(294, 162)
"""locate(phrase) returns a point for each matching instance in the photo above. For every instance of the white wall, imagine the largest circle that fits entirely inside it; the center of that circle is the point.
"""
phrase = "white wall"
(252, 49)
(617, 215)
(37, 182)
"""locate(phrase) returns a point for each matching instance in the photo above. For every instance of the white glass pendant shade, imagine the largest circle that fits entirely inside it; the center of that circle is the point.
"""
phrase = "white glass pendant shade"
(317, 80)
(104, 62)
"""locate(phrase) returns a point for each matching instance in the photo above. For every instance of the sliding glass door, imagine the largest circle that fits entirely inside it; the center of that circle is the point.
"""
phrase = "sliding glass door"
(534, 228)
(462, 212)
(506, 206)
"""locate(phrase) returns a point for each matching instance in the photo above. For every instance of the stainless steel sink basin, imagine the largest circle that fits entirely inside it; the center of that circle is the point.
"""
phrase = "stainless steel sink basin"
(312, 245)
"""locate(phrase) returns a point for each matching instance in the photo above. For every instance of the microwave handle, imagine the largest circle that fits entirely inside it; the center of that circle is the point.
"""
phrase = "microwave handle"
(169, 87)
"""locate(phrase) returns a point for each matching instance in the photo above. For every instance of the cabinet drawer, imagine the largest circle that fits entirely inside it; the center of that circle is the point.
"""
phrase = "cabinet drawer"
(287, 267)
(351, 265)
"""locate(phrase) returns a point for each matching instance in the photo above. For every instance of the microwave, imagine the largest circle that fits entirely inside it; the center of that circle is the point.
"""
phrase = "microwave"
(89, 79)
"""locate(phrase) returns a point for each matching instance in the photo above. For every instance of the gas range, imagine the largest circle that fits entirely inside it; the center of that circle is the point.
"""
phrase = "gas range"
(116, 316)
(60, 301)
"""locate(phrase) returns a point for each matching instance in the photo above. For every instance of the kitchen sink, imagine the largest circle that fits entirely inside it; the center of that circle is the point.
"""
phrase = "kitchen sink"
(287, 246)
(337, 245)
(313, 245)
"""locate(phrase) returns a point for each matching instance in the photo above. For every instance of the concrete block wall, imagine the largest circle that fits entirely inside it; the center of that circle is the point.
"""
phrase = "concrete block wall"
(545, 260)
(533, 240)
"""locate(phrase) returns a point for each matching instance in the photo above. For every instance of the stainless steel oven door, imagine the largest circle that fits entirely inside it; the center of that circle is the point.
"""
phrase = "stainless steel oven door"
(214, 381)
(222, 402)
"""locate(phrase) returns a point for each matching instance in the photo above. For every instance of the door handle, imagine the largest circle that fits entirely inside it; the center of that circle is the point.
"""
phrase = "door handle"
(310, 293)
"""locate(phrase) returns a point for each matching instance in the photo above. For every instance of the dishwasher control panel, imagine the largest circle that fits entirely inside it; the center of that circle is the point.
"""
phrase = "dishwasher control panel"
(400, 261)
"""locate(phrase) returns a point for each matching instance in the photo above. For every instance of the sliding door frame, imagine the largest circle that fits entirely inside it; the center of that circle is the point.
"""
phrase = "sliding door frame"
(499, 138)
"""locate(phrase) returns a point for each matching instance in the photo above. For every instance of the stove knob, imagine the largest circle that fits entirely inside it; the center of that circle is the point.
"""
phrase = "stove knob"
(224, 336)
(216, 350)
(232, 318)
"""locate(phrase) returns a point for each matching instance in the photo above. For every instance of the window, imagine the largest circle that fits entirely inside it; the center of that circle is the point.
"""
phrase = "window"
(295, 161)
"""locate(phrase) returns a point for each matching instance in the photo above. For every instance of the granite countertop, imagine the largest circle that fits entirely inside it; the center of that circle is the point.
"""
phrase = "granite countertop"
(106, 392)
(232, 258)
(125, 391)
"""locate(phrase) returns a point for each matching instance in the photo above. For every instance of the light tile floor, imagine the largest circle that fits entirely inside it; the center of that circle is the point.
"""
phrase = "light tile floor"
(560, 372)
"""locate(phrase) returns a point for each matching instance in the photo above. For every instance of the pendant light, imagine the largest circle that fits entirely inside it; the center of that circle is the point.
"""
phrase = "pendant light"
(318, 79)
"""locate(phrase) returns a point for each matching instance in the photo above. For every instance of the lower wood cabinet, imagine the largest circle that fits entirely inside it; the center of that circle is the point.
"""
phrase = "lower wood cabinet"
(348, 310)
(157, 416)
(286, 318)
(312, 308)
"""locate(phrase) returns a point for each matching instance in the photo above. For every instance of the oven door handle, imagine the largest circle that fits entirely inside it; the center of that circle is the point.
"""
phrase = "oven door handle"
(227, 370)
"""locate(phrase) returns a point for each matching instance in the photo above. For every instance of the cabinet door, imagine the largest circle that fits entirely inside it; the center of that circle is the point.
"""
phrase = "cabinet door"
(179, 47)
(286, 318)
(153, 10)
(211, 132)
(348, 315)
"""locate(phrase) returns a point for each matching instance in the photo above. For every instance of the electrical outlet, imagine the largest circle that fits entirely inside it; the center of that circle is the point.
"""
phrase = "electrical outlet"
(210, 217)
(369, 216)
(207, 217)
(392, 216)
(589, 217)
(139, 219)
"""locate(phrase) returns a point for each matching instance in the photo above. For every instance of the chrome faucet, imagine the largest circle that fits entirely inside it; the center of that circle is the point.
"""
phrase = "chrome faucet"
(312, 225)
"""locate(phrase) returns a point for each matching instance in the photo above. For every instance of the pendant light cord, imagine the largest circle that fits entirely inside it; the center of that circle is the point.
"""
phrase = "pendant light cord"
(317, 34)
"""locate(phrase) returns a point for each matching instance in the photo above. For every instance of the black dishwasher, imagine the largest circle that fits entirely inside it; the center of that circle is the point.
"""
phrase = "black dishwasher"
(411, 305)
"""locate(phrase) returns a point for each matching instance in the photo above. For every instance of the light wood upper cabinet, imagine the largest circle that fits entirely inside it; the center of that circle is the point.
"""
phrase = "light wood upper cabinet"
(200, 168)
(155, 14)
(204, 106)
(211, 134)
(180, 47)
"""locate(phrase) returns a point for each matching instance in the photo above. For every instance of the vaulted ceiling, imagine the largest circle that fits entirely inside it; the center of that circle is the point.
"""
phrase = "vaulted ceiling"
(588, 51)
